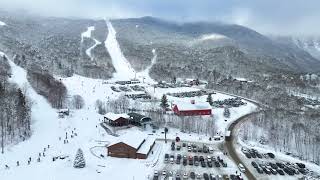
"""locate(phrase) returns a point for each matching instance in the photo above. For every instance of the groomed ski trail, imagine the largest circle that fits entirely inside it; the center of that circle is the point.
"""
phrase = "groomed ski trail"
(124, 71)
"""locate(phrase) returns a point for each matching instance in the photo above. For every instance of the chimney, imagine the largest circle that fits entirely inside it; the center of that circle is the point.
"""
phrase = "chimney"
(193, 101)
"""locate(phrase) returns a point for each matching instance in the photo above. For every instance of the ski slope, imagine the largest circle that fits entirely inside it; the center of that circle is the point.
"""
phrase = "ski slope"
(124, 71)
(144, 75)
(47, 129)
(88, 34)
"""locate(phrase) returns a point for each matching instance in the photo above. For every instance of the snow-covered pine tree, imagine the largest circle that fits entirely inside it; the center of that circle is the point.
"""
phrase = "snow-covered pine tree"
(164, 102)
(209, 99)
(79, 161)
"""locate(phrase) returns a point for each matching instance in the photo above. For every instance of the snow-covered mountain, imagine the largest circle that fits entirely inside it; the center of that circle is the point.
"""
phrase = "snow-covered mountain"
(309, 44)
(65, 46)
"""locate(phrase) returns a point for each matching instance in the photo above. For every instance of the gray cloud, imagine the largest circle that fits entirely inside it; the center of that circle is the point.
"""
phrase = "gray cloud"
(285, 17)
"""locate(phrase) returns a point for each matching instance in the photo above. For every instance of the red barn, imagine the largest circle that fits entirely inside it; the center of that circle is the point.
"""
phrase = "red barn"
(192, 109)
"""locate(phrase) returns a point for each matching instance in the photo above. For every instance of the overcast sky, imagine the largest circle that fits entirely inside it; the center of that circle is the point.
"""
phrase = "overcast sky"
(266, 16)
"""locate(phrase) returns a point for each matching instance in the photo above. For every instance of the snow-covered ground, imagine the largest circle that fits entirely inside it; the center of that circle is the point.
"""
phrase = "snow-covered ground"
(124, 71)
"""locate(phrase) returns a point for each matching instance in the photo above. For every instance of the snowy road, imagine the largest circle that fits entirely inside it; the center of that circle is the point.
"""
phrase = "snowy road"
(230, 145)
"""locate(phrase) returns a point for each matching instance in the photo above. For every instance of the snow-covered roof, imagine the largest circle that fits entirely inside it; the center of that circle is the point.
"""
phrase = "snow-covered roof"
(187, 106)
(145, 148)
(113, 116)
(63, 110)
(133, 139)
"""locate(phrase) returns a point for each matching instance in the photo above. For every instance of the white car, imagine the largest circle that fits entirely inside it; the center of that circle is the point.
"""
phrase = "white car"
(156, 173)
(209, 158)
(199, 176)
(241, 168)
(185, 176)
(164, 173)
(171, 160)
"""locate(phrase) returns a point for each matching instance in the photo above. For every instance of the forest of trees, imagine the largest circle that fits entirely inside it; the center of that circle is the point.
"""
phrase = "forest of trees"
(46, 85)
(287, 125)
(286, 131)
(15, 109)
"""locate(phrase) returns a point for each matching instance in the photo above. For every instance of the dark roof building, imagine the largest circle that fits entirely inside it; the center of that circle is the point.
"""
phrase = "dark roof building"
(138, 119)
(135, 146)
(116, 119)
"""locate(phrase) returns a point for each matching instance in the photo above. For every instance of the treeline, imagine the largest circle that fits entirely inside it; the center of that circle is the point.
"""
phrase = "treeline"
(297, 133)
(49, 87)
(287, 125)
(15, 110)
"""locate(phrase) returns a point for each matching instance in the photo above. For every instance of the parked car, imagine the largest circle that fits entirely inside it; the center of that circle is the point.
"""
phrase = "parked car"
(271, 155)
(273, 171)
(224, 164)
(280, 171)
(219, 177)
(254, 164)
(259, 155)
(280, 165)
(203, 164)
(205, 176)
(301, 165)
(172, 160)
(212, 176)
(260, 171)
(267, 171)
(185, 176)
(273, 165)
(241, 168)
(177, 139)
(192, 175)
(248, 155)
(199, 176)
(166, 158)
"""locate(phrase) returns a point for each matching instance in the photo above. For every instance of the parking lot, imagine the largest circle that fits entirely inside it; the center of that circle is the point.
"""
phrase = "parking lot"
(186, 160)
(266, 165)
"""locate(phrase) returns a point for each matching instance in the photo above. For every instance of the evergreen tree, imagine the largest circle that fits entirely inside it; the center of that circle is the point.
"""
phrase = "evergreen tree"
(209, 99)
(79, 161)
(164, 102)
